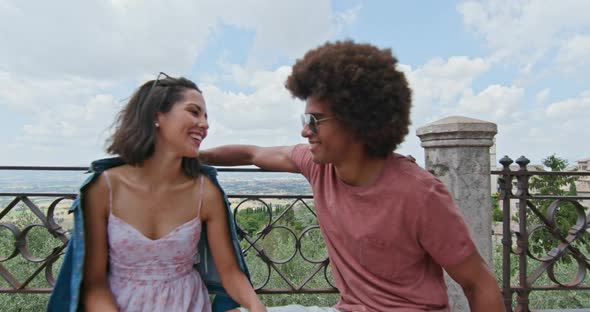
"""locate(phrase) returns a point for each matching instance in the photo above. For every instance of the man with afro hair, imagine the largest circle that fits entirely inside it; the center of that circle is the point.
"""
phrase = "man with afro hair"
(390, 227)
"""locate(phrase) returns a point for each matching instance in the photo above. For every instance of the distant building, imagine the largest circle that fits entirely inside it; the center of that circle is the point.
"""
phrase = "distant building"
(583, 182)
(493, 165)
(584, 164)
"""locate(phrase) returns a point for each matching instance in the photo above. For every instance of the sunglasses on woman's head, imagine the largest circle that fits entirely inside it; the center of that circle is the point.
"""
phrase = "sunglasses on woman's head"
(160, 75)
(166, 80)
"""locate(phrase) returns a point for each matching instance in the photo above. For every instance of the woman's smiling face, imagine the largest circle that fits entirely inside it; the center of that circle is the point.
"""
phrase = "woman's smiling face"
(184, 127)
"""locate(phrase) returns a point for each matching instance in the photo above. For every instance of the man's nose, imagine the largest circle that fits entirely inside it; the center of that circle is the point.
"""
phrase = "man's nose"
(306, 131)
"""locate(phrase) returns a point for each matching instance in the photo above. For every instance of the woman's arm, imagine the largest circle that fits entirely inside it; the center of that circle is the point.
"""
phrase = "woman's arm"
(233, 279)
(96, 294)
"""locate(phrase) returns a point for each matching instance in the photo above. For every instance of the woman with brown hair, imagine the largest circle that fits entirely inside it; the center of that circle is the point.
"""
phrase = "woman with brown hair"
(143, 213)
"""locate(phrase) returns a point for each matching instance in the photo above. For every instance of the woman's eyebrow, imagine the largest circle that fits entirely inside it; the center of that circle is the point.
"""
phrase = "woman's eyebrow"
(194, 105)
(198, 107)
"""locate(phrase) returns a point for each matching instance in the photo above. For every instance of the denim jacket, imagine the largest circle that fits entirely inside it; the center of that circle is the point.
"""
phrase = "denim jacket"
(66, 291)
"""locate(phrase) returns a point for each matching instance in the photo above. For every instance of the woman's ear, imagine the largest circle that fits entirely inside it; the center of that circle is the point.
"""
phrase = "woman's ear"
(158, 119)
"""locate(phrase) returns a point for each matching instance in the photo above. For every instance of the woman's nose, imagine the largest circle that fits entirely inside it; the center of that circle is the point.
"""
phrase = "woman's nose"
(203, 123)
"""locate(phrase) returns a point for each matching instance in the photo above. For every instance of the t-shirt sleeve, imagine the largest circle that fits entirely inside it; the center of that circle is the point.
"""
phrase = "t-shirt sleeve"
(442, 231)
(301, 156)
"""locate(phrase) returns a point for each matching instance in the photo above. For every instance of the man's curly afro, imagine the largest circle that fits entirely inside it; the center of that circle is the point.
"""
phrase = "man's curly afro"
(363, 88)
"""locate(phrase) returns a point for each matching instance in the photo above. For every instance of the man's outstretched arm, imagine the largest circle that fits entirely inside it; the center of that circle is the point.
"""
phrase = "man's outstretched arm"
(275, 158)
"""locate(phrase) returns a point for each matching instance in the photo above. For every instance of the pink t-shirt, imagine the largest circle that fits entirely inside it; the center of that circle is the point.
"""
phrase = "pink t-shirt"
(388, 241)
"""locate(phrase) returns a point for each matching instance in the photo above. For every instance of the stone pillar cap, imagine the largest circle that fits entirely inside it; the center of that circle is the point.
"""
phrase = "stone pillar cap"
(457, 131)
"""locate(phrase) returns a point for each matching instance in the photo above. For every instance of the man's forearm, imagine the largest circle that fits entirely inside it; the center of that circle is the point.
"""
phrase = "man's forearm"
(485, 297)
(228, 155)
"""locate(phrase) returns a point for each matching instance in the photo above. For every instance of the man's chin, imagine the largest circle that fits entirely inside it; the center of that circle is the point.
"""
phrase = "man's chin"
(317, 160)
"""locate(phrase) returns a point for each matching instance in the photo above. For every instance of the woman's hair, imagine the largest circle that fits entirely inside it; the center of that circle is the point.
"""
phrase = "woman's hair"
(363, 89)
(135, 130)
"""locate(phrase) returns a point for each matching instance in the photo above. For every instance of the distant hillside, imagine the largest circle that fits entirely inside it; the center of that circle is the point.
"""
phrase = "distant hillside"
(232, 182)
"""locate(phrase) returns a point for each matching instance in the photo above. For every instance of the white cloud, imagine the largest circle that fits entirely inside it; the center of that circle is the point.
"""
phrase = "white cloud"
(73, 134)
(493, 103)
(525, 31)
(75, 125)
(25, 94)
(446, 87)
(542, 38)
(574, 53)
(346, 18)
(65, 116)
(66, 61)
(436, 87)
(65, 66)
(559, 128)
(266, 116)
(286, 28)
(573, 108)
(100, 40)
(119, 39)
(542, 96)
(439, 82)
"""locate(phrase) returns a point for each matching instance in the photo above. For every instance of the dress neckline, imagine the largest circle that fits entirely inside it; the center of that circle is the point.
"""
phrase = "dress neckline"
(195, 220)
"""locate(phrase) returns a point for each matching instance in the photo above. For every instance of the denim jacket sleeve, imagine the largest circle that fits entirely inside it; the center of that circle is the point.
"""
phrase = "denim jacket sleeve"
(66, 291)
(206, 266)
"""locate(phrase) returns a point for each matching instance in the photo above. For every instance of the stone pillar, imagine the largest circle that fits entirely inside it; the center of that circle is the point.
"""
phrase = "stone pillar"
(457, 151)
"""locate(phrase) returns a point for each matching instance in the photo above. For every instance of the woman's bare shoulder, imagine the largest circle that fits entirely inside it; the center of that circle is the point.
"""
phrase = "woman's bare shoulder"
(96, 196)
(210, 190)
(120, 172)
(212, 198)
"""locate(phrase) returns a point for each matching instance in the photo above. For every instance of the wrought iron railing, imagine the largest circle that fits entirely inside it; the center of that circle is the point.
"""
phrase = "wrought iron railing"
(300, 265)
(536, 215)
(20, 246)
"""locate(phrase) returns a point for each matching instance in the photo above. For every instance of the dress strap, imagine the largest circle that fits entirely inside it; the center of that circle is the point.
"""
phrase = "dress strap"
(200, 197)
(106, 176)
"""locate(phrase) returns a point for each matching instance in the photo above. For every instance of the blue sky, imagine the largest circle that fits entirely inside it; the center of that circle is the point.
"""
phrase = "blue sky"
(66, 68)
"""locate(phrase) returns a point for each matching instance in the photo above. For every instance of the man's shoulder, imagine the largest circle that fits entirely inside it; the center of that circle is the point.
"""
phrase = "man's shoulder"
(405, 170)
(300, 150)
(301, 155)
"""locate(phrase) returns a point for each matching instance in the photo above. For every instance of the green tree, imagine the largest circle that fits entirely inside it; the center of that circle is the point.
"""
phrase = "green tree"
(556, 185)
(40, 244)
(497, 215)
(252, 220)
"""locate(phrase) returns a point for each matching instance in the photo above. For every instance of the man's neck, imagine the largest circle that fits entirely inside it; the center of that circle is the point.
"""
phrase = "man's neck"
(360, 169)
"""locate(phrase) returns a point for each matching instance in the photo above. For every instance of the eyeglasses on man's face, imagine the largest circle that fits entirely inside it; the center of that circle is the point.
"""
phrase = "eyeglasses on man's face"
(312, 121)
